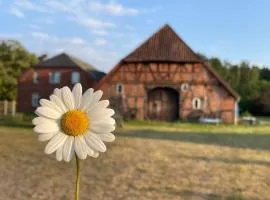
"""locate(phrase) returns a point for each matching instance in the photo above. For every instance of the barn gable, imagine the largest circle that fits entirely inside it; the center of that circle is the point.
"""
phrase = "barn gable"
(166, 46)
(150, 82)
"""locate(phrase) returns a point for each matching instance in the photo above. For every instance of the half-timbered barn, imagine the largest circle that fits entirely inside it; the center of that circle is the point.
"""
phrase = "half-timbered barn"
(163, 79)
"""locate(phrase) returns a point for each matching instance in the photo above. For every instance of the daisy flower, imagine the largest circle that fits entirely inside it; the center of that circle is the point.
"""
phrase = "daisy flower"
(74, 123)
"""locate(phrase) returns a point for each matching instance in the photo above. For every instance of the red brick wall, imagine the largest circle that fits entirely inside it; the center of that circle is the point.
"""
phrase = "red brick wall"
(26, 86)
(137, 77)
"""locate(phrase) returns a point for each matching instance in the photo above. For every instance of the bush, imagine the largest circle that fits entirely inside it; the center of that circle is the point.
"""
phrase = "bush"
(246, 114)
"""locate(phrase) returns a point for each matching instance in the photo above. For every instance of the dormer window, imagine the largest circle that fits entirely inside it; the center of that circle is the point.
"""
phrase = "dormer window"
(119, 88)
(35, 78)
(196, 103)
(75, 77)
(54, 77)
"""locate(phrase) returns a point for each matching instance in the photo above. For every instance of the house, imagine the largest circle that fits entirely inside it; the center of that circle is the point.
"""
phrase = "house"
(58, 71)
(163, 79)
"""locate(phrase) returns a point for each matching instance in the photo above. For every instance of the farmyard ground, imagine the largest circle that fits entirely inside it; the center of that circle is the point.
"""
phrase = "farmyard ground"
(157, 161)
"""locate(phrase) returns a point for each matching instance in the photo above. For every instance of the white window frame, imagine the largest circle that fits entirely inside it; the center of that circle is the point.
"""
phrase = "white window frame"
(118, 86)
(75, 75)
(52, 79)
(35, 99)
(35, 77)
(197, 103)
(184, 87)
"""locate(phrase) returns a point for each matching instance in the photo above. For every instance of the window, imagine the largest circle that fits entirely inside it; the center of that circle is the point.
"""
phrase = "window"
(54, 77)
(184, 87)
(75, 77)
(35, 78)
(119, 88)
(196, 103)
(35, 99)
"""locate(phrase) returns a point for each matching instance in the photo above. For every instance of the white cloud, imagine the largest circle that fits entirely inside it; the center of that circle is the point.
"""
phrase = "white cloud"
(76, 11)
(93, 23)
(100, 32)
(16, 12)
(113, 8)
(76, 40)
(57, 5)
(40, 35)
(6, 36)
(152, 10)
(129, 27)
(32, 26)
(45, 37)
(101, 42)
(30, 6)
(45, 20)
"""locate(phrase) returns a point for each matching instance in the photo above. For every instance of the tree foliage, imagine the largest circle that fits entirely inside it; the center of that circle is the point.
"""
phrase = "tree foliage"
(251, 82)
(14, 58)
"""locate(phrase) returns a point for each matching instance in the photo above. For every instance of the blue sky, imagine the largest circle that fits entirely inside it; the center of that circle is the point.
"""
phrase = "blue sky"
(101, 32)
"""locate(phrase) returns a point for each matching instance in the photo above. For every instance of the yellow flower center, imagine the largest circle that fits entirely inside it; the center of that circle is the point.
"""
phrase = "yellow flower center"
(75, 122)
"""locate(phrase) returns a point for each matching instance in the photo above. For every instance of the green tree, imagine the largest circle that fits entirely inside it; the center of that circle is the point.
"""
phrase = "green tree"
(13, 59)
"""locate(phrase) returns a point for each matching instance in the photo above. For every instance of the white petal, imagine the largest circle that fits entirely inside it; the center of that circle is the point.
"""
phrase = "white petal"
(100, 114)
(50, 104)
(58, 101)
(48, 113)
(46, 136)
(80, 147)
(77, 94)
(57, 141)
(102, 128)
(68, 98)
(106, 137)
(59, 153)
(86, 99)
(44, 102)
(99, 105)
(42, 120)
(68, 149)
(57, 92)
(96, 97)
(94, 142)
(109, 120)
(95, 155)
(47, 128)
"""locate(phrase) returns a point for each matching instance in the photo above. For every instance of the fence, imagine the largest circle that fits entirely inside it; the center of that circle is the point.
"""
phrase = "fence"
(7, 107)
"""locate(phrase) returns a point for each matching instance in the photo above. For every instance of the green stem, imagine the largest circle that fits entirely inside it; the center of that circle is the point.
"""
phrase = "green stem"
(78, 178)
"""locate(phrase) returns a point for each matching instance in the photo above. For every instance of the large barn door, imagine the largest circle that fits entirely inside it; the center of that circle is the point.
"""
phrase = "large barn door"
(163, 104)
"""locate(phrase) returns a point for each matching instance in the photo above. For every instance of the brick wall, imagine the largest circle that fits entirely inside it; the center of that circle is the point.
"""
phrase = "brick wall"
(138, 78)
(26, 87)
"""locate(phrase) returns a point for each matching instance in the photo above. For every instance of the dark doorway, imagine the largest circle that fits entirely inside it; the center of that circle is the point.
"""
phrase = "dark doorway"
(163, 104)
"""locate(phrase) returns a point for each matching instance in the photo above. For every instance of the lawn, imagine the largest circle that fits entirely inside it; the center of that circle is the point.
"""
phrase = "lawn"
(149, 160)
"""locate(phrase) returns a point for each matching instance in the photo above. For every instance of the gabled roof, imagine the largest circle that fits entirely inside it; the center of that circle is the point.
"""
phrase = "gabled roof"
(163, 45)
(65, 60)
(166, 46)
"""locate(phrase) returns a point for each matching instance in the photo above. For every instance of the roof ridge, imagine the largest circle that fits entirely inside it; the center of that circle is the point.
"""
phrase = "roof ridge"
(163, 45)
(146, 40)
(181, 40)
(69, 61)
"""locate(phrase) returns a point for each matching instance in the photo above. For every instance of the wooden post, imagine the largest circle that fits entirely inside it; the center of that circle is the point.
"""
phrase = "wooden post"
(13, 110)
(5, 107)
